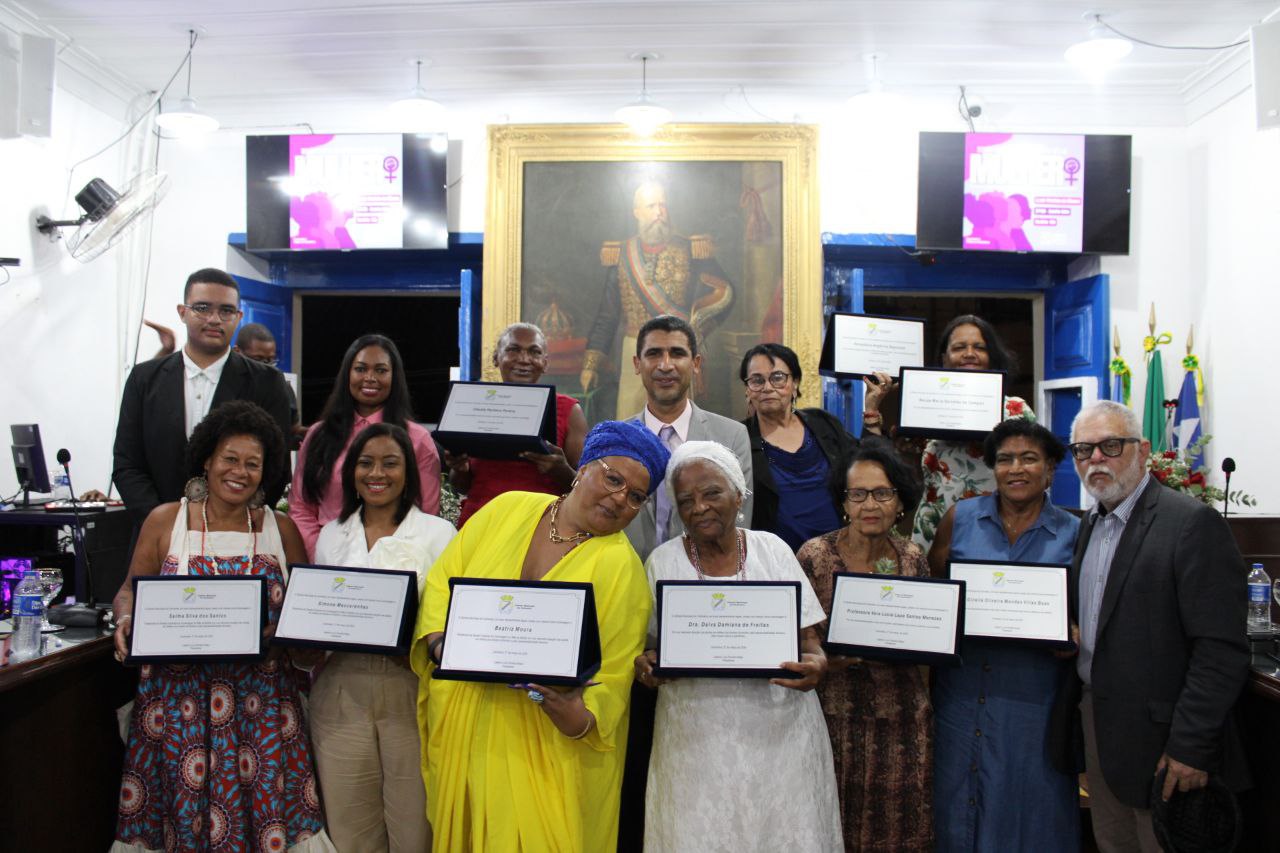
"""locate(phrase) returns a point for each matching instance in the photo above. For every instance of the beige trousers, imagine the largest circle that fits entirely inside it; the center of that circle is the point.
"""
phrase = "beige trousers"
(364, 730)
(1117, 828)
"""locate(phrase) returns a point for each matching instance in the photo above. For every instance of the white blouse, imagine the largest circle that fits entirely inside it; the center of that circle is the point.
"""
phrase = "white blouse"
(415, 545)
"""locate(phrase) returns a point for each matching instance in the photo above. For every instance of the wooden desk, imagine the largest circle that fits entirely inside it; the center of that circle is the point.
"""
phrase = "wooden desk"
(60, 744)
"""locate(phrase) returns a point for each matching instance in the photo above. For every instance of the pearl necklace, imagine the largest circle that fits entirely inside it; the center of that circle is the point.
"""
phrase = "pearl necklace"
(742, 558)
(554, 534)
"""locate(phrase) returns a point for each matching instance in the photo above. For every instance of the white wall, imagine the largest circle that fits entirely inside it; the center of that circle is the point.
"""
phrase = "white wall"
(59, 324)
(1205, 205)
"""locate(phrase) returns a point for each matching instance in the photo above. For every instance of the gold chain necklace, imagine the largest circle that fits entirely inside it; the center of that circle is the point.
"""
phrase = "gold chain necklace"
(555, 534)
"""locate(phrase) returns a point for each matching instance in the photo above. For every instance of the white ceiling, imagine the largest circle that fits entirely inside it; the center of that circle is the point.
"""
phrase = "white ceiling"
(720, 59)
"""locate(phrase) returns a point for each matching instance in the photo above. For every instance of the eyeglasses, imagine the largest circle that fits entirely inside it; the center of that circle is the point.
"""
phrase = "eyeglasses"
(882, 495)
(615, 482)
(204, 309)
(269, 362)
(777, 379)
(1112, 447)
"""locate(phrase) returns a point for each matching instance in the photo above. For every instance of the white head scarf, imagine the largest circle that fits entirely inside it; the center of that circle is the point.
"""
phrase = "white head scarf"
(705, 451)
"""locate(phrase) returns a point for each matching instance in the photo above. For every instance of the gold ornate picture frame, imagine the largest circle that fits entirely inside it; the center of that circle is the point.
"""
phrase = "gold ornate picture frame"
(566, 246)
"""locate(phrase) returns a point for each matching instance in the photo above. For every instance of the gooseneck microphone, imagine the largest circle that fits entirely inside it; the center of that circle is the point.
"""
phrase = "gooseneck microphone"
(64, 459)
(1228, 465)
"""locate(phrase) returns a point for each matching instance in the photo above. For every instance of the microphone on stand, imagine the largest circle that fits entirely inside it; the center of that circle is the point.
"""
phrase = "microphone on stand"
(77, 537)
(1228, 465)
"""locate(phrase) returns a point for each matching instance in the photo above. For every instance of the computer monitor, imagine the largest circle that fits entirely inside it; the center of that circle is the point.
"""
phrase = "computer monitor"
(28, 460)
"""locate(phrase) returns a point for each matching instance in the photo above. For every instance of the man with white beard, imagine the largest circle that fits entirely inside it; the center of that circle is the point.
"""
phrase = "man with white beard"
(653, 273)
(1158, 593)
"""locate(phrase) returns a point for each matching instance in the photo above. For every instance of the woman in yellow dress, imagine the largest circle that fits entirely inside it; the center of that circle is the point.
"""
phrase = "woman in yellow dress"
(539, 769)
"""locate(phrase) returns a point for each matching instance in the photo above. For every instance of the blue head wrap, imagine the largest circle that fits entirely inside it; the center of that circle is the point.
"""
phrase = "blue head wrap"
(629, 439)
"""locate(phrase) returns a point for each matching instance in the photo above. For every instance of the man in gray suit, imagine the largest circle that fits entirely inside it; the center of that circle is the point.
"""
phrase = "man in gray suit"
(1159, 595)
(666, 361)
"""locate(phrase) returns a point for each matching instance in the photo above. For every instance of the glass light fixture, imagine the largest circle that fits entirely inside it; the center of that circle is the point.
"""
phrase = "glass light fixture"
(874, 94)
(187, 119)
(1101, 50)
(416, 111)
(643, 115)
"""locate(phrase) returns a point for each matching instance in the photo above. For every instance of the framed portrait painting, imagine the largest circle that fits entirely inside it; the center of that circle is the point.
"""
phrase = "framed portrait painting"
(591, 231)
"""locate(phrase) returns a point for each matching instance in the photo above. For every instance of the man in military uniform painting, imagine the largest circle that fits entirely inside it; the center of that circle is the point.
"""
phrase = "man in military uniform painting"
(655, 272)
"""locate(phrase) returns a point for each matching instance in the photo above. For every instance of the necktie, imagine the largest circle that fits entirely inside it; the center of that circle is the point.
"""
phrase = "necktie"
(667, 435)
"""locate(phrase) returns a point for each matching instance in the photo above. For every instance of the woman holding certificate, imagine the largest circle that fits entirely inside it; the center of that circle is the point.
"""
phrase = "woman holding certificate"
(995, 786)
(878, 714)
(363, 706)
(795, 453)
(952, 469)
(737, 763)
(218, 752)
(370, 388)
(535, 767)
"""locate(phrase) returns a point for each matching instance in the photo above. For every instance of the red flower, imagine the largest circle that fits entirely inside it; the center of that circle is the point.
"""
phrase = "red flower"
(1196, 478)
(1170, 454)
(1014, 407)
(974, 450)
(1161, 474)
(930, 461)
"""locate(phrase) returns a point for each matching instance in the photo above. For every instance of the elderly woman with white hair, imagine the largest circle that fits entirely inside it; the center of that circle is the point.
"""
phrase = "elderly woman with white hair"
(737, 763)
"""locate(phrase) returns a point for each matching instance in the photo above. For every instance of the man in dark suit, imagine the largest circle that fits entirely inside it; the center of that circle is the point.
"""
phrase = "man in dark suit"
(166, 397)
(1159, 595)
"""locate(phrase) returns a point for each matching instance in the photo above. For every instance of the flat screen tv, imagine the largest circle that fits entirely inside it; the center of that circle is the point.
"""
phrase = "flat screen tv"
(340, 192)
(1024, 192)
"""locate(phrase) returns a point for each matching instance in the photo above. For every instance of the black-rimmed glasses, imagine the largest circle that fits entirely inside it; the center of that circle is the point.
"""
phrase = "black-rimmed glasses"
(882, 495)
(615, 482)
(1082, 450)
(778, 379)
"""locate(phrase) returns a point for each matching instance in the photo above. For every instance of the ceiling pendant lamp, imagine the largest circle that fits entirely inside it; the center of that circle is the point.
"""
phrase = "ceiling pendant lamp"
(1100, 50)
(416, 111)
(642, 115)
(188, 119)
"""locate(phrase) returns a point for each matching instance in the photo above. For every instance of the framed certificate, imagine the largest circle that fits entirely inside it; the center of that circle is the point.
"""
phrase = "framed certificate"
(858, 345)
(349, 609)
(963, 405)
(738, 629)
(519, 631)
(890, 617)
(497, 420)
(181, 618)
(1022, 602)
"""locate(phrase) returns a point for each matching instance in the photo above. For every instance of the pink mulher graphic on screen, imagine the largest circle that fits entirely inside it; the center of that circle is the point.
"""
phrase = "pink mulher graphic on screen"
(345, 191)
(1023, 192)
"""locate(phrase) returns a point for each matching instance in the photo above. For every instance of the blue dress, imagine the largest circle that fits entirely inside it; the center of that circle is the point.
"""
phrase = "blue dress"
(994, 786)
(805, 509)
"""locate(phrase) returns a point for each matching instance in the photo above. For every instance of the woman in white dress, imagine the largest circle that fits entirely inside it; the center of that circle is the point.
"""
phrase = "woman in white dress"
(738, 764)
(363, 707)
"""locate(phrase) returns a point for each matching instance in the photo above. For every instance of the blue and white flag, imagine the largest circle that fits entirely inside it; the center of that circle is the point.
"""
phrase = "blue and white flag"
(1186, 418)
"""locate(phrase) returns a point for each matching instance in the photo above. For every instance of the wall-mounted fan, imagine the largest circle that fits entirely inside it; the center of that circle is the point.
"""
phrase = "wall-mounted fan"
(108, 214)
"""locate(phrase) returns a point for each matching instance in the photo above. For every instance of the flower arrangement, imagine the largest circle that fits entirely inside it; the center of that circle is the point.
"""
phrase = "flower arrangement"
(1174, 468)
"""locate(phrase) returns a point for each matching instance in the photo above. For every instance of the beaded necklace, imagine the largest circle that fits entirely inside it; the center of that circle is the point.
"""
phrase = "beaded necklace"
(742, 557)
(248, 514)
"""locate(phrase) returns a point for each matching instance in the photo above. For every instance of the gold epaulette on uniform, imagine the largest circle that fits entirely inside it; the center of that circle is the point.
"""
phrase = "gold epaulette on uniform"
(701, 246)
(610, 253)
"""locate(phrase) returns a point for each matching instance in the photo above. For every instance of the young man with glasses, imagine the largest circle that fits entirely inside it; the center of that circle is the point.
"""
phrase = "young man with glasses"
(165, 398)
(1158, 592)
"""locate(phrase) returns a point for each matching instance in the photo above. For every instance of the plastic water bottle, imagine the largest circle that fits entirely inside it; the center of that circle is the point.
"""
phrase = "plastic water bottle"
(28, 611)
(60, 484)
(1259, 599)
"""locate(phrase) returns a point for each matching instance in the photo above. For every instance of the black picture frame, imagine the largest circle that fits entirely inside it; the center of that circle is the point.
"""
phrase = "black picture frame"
(722, 672)
(1063, 645)
(404, 633)
(497, 446)
(900, 655)
(140, 580)
(826, 361)
(916, 431)
(589, 652)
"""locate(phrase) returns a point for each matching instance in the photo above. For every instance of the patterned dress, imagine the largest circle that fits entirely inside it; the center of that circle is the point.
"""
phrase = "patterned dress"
(218, 756)
(881, 726)
(953, 471)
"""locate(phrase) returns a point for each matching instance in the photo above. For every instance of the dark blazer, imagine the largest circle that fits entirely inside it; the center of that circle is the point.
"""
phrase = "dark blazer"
(151, 435)
(1171, 655)
(832, 437)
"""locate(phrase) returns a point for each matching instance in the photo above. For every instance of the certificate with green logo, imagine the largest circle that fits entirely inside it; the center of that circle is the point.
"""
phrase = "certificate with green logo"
(1020, 602)
(858, 345)
(889, 617)
(735, 629)
(349, 609)
(515, 632)
(960, 405)
(181, 618)
(496, 420)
